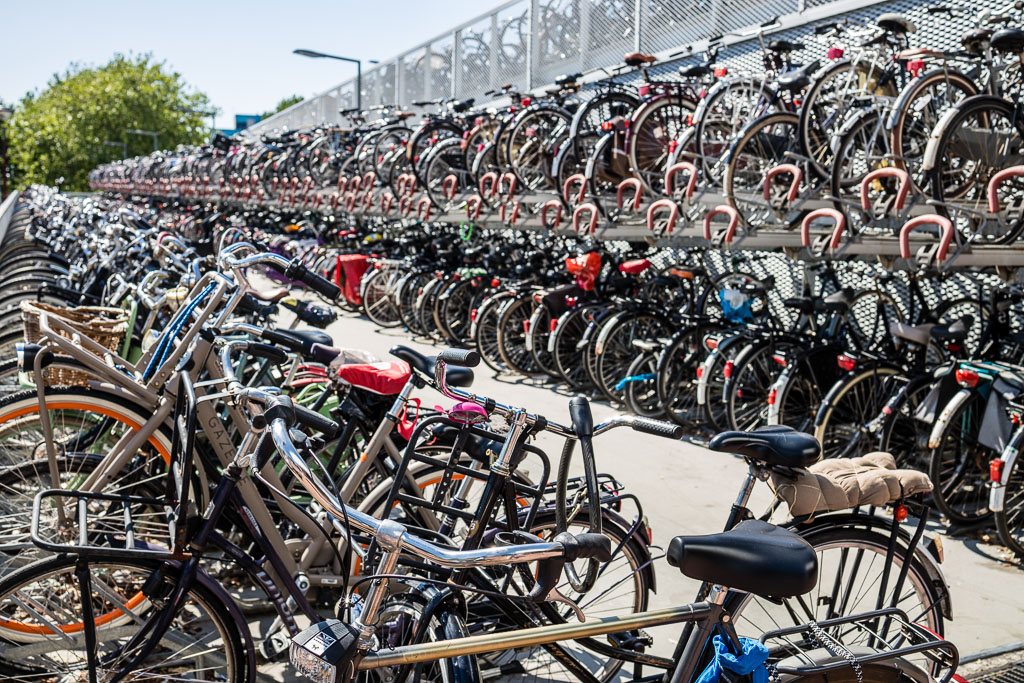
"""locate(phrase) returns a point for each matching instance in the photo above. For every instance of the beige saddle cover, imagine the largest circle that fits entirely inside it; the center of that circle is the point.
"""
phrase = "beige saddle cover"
(843, 483)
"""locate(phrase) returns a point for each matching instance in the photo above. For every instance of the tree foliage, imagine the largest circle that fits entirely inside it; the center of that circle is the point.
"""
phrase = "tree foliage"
(61, 131)
(283, 104)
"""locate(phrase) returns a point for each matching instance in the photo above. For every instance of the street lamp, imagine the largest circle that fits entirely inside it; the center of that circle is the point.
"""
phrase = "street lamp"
(150, 133)
(359, 69)
(122, 145)
(5, 115)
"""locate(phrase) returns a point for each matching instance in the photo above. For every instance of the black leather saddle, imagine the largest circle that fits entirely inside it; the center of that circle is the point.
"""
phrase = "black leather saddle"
(456, 376)
(1008, 40)
(754, 557)
(303, 340)
(797, 79)
(776, 445)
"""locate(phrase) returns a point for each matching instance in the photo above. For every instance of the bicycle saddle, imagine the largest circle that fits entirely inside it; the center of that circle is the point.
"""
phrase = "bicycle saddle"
(455, 376)
(956, 331)
(838, 301)
(777, 445)
(797, 79)
(916, 334)
(783, 45)
(975, 39)
(844, 483)
(753, 557)
(896, 23)
(303, 340)
(638, 58)
(566, 79)
(696, 70)
(271, 295)
(1008, 40)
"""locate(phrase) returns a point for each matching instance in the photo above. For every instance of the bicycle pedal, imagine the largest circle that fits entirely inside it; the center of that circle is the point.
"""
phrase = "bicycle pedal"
(637, 641)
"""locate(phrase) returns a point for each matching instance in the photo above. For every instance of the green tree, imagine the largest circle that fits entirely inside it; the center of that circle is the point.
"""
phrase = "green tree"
(61, 131)
(283, 104)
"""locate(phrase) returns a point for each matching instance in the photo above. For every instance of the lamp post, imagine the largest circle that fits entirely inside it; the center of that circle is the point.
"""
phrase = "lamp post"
(152, 134)
(359, 69)
(122, 145)
(5, 115)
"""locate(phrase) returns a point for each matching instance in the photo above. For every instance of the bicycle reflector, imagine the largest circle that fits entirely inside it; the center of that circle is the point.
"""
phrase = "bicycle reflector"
(967, 378)
(643, 90)
(915, 66)
(845, 362)
(526, 101)
(721, 71)
(325, 652)
(834, 53)
(727, 370)
(995, 470)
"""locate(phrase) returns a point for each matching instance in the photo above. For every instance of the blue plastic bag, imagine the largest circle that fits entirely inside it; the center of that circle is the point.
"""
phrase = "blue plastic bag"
(750, 662)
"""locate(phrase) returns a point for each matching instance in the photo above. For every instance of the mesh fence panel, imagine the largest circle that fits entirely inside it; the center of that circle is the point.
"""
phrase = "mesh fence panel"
(474, 75)
(413, 76)
(608, 32)
(511, 42)
(441, 52)
(558, 39)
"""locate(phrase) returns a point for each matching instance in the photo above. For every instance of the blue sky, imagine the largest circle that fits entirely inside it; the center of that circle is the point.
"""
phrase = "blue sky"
(238, 53)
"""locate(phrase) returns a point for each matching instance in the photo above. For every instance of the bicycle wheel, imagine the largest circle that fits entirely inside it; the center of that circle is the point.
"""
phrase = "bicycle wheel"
(850, 562)
(1010, 520)
(655, 126)
(86, 426)
(407, 294)
(485, 326)
(677, 376)
(641, 391)
(981, 136)
(836, 91)
(959, 465)
(750, 382)
(915, 114)
(43, 632)
(378, 304)
(862, 147)
(728, 107)
(854, 401)
(512, 336)
(761, 145)
(616, 350)
(904, 435)
(622, 587)
(568, 337)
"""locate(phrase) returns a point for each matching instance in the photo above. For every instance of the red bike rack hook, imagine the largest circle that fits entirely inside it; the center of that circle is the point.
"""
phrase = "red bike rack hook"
(676, 169)
(569, 182)
(473, 205)
(940, 250)
(997, 180)
(557, 206)
(449, 185)
(888, 172)
(794, 186)
(638, 189)
(423, 209)
(837, 232)
(657, 206)
(734, 221)
(489, 181)
(592, 223)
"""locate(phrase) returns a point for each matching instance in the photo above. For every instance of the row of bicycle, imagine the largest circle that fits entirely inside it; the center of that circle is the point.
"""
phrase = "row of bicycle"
(931, 377)
(212, 490)
(881, 135)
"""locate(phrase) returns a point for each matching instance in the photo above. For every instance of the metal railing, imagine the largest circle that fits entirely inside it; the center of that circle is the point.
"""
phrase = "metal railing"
(528, 43)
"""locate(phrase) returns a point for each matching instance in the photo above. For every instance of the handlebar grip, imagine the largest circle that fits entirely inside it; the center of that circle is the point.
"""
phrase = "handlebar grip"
(315, 421)
(285, 340)
(321, 285)
(585, 546)
(271, 353)
(323, 354)
(467, 358)
(658, 428)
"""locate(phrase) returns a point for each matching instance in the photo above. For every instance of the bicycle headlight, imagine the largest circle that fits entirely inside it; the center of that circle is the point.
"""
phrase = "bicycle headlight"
(325, 652)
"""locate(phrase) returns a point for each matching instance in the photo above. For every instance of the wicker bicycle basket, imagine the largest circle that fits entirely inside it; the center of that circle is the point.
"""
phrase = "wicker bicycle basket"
(105, 326)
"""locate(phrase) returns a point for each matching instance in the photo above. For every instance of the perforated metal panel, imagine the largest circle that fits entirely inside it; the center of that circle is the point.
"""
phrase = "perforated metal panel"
(582, 35)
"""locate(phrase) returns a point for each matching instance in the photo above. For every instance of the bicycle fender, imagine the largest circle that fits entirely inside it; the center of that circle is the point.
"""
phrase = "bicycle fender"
(942, 421)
